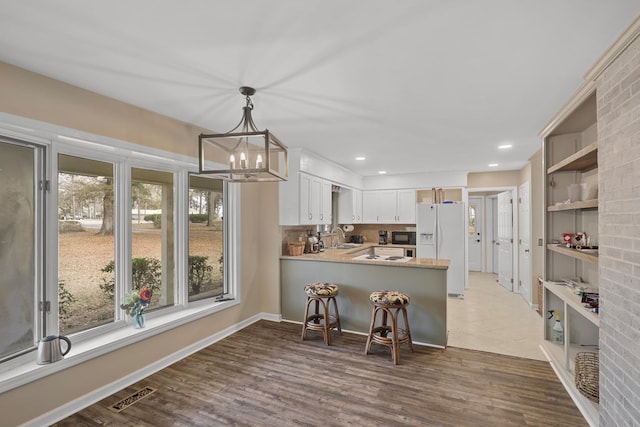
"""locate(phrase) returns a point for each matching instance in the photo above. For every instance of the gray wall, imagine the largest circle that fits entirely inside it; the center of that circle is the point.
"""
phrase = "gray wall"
(618, 91)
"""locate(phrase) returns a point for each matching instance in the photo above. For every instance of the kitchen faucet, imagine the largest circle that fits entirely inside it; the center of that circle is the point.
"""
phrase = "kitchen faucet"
(340, 235)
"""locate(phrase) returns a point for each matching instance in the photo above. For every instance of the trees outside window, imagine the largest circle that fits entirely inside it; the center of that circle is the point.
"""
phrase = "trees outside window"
(85, 242)
(206, 242)
(96, 204)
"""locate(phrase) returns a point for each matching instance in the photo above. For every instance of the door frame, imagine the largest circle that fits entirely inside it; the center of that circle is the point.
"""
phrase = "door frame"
(516, 221)
(528, 297)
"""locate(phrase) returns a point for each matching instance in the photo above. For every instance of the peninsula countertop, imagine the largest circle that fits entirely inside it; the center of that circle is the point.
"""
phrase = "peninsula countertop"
(348, 255)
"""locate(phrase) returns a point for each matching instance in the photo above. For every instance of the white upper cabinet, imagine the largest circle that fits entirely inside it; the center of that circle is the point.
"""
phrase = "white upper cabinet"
(389, 206)
(305, 198)
(325, 202)
(370, 207)
(406, 207)
(349, 206)
(315, 200)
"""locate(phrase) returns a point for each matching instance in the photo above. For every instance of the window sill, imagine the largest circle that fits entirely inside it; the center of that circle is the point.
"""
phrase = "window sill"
(29, 370)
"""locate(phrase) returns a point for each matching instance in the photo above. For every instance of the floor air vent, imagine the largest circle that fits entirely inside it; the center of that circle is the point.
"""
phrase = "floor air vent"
(130, 400)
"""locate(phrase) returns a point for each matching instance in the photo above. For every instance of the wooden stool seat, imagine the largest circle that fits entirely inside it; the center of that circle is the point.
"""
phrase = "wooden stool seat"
(321, 294)
(391, 304)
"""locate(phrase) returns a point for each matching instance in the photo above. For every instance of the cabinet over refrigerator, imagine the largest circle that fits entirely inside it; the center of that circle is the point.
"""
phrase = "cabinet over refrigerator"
(440, 230)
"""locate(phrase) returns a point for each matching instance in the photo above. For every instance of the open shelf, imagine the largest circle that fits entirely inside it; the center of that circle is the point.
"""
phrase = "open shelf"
(583, 205)
(582, 161)
(591, 257)
(566, 294)
(556, 356)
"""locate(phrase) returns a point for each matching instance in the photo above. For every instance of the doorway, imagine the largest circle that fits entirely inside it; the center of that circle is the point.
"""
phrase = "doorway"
(476, 233)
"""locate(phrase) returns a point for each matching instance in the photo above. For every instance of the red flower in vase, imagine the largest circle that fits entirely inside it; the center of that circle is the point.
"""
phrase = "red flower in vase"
(145, 294)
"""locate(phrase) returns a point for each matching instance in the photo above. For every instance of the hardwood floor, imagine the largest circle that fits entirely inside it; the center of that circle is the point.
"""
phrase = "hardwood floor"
(265, 376)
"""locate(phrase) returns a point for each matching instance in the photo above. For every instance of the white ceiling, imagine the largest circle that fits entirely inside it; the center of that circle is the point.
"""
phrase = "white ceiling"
(413, 85)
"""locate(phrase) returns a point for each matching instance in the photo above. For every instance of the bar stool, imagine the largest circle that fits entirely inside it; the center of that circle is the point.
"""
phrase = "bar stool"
(391, 304)
(325, 294)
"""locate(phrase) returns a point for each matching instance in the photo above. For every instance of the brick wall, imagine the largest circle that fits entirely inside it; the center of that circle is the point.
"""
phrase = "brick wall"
(618, 91)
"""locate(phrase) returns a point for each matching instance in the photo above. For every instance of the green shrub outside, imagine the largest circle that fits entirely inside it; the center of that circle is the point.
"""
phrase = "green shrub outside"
(198, 218)
(148, 272)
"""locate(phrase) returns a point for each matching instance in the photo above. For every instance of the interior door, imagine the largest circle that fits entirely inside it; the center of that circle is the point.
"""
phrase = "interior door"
(495, 243)
(524, 229)
(505, 239)
(475, 233)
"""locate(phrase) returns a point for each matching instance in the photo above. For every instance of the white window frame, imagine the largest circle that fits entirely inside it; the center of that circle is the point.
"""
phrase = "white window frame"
(124, 155)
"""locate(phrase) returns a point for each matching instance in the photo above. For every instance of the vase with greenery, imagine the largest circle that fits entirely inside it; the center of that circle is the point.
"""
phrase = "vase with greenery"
(135, 303)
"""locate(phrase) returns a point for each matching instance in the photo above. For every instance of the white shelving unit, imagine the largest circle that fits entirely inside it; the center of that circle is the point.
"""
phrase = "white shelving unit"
(571, 155)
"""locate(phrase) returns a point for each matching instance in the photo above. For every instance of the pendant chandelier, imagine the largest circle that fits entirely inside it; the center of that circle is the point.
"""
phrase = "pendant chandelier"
(252, 155)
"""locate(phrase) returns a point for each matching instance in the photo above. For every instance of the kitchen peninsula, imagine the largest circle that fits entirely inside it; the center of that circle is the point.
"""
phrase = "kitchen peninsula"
(424, 280)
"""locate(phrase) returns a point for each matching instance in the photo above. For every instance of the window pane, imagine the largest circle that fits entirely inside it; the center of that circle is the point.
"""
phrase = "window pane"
(85, 243)
(472, 219)
(206, 230)
(17, 248)
(152, 235)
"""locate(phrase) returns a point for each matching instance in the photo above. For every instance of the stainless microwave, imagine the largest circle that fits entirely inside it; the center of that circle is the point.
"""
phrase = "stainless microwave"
(403, 237)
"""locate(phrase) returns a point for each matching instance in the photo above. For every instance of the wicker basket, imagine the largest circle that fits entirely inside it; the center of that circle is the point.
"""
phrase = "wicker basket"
(296, 248)
(588, 375)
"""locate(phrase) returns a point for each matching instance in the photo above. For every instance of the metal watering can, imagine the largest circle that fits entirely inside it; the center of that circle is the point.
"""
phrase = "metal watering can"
(50, 350)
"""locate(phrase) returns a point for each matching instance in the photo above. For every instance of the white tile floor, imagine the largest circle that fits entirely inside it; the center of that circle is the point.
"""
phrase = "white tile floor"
(491, 318)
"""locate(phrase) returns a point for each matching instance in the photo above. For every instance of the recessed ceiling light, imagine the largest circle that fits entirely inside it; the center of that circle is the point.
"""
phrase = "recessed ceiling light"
(360, 158)
(382, 172)
(505, 146)
(493, 165)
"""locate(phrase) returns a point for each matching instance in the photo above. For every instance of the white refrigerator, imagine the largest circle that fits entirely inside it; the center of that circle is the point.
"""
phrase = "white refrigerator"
(440, 233)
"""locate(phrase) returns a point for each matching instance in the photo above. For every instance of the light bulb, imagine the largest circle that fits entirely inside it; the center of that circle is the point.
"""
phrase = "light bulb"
(259, 161)
(232, 161)
(243, 161)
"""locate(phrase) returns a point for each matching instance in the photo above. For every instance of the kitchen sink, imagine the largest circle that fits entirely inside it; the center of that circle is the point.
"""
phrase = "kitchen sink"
(372, 257)
(346, 246)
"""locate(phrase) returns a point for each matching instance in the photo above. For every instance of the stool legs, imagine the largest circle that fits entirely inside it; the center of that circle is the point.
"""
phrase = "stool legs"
(321, 321)
(379, 334)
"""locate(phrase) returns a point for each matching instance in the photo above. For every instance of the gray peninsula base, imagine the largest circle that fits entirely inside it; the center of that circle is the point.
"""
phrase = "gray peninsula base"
(426, 287)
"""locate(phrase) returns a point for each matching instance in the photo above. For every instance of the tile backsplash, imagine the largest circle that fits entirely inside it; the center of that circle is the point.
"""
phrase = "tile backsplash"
(369, 231)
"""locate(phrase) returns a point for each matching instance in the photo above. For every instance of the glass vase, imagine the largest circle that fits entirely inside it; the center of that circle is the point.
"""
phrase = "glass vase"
(138, 320)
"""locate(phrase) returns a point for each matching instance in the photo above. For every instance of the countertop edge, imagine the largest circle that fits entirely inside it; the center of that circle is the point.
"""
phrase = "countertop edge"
(346, 256)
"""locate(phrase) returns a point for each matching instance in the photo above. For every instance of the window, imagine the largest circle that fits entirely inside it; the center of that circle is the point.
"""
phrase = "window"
(86, 294)
(472, 219)
(20, 247)
(206, 242)
(121, 216)
(152, 235)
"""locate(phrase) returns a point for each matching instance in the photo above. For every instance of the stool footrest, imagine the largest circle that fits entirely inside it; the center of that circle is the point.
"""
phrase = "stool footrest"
(389, 333)
(316, 322)
(319, 318)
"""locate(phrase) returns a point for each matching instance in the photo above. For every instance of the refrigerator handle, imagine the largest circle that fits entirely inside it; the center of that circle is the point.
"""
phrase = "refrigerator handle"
(435, 233)
(440, 239)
